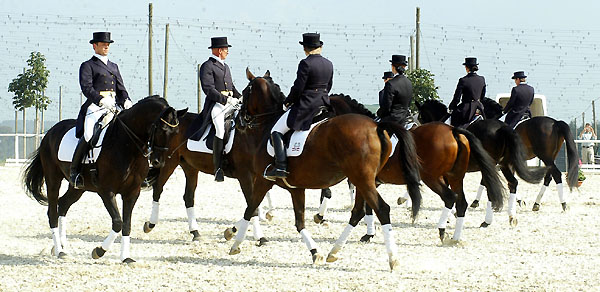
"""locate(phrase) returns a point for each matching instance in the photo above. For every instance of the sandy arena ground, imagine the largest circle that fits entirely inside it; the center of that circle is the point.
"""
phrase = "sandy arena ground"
(548, 251)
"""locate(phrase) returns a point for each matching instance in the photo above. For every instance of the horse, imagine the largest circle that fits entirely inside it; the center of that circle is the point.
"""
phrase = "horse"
(139, 133)
(444, 152)
(512, 148)
(543, 137)
(352, 146)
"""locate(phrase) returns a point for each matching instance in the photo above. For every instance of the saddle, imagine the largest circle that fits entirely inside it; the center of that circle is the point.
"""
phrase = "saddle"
(294, 140)
(202, 141)
(322, 114)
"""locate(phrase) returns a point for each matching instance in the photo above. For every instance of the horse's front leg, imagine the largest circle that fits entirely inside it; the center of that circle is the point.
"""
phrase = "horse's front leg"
(358, 212)
(298, 200)
(246, 186)
(129, 200)
(64, 203)
(253, 199)
(108, 198)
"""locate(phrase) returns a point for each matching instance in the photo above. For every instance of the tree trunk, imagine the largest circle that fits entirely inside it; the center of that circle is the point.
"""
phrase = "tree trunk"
(36, 127)
(24, 132)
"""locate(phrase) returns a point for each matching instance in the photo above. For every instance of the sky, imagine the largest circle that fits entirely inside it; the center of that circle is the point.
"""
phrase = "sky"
(554, 42)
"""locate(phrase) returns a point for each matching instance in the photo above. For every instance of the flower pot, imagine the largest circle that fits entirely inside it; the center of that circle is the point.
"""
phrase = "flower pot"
(579, 182)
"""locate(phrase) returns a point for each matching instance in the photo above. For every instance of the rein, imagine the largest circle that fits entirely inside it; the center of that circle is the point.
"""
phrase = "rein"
(149, 145)
(248, 120)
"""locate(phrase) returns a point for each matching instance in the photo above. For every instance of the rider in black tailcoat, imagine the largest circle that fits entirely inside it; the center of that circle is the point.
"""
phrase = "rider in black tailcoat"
(309, 92)
(472, 89)
(397, 94)
(520, 100)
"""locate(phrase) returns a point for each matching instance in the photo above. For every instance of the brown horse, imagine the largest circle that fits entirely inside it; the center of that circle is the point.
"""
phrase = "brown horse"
(352, 146)
(134, 134)
(445, 154)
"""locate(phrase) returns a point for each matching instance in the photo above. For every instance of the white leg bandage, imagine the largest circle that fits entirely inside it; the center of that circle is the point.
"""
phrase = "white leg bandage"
(540, 194)
(323, 207)
(352, 192)
(561, 195)
(511, 205)
(256, 229)
(242, 229)
(460, 221)
(108, 241)
(443, 218)
(125, 243)
(489, 213)
(390, 241)
(56, 240)
(310, 243)
(154, 214)
(479, 192)
(261, 212)
(370, 220)
(453, 211)
(191, 214)
(344, 236)
(62, 228)
(269, 202)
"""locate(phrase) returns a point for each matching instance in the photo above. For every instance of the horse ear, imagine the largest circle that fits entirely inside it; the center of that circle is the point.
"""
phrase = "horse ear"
(267, 74)
(181, 113)
(249, 74)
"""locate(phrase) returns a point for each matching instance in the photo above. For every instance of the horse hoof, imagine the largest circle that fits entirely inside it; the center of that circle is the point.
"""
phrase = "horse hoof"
(564, 207)
(128, 261)
(318, 259)
(442, 232)
(331, 258)
(234, 250)
(521, 203)
(475, 204)
(451, 242)
(262, 241)
(148, 227)
(98, 252)
(401, 200)
(536, 207)
(269, 216)
(513, 221)
(196, 235)
(484, 225)
(394, 263)
(228, 234)
(318, 218)
(62, 255)
(366, 238)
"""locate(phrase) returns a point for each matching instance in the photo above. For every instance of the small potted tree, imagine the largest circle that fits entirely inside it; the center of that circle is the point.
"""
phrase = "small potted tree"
(580, 177)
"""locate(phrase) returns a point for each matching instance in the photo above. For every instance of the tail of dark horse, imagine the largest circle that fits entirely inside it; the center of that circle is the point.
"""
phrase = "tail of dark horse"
(572, 157)
(515, 153)
(409, 162)
(487, 166)
(33, 178)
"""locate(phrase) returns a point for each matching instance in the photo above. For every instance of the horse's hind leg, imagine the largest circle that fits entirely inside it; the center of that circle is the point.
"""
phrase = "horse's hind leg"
(370, 221)
(547, 180)
(319, 218)
(480, 190)
(358, 212)
(53, 188)
(64, 203)
(128, 204)
(298, 200)
(449, 197)
(512, 187)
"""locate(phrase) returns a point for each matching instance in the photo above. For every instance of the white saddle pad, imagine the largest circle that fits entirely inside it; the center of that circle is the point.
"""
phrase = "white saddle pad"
(69, 143)
(394, 140)
(200, 145)
(297, 141)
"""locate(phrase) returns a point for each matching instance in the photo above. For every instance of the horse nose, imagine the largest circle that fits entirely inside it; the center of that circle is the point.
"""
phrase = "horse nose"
(156, 162)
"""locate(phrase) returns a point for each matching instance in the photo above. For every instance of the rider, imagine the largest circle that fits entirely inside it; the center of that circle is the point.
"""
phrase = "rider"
(221, 97)
(101, 83)
(520, 100)
(309, 92)
(397, 94)
(472, 89)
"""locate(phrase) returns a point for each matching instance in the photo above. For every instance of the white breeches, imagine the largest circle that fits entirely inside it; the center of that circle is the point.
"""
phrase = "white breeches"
(587, 155)
(281, 125)
(94, 113)
(218, 114)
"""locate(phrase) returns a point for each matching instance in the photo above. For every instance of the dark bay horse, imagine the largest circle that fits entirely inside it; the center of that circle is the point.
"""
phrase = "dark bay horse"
(352, 146)
(543, 137)
(134, 135)
(445, 153)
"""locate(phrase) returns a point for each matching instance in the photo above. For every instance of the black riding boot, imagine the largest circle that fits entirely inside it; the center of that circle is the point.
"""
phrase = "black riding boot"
(217, 157)
(280, 169)
(76, 178)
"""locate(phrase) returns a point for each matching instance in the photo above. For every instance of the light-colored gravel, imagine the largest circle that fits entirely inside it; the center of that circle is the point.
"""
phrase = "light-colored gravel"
(548, 251)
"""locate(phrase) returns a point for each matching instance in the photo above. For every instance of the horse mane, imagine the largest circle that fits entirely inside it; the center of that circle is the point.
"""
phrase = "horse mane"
(436, 105)
(355, 106)
(275, 90)
(492, 109)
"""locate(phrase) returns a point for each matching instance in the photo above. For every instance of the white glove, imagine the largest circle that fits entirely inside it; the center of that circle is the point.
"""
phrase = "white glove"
(107, 103)
(285, 107)
(127, 104)
(233, 101)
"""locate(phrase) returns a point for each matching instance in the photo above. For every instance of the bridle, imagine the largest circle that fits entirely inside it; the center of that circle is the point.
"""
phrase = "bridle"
(247, 120)
(146, 148)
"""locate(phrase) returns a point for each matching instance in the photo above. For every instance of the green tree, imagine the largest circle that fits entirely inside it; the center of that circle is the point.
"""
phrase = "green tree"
(423, 86)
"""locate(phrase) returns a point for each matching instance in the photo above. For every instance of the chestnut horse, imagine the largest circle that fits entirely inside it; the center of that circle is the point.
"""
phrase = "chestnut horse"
(135, 133)
(444, 152)
(352, 146)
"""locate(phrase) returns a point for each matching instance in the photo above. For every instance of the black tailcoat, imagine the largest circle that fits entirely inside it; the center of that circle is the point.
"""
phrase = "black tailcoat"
(472, 89)
(518, 105)
(395, 101)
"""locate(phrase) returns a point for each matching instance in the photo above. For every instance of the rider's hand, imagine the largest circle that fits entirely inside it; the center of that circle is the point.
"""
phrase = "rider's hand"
(286, 107)
(127, 104)
(107, 103)
(233, 101)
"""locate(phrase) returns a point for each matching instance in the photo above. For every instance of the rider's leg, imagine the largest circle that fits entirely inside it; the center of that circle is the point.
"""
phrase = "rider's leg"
(280, 128)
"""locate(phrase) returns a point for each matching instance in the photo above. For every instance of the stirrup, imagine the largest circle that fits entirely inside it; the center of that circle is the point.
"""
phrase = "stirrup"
(275, 173)
(219, 176)
(78, 182)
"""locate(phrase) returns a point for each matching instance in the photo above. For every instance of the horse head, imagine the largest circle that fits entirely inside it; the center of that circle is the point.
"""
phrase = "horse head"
(491, 108)
(261, 97)
(431, 110)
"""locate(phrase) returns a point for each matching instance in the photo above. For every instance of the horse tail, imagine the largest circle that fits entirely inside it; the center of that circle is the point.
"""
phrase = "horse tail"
(572, 157)
(487, 166)
(33, 178)
(409, 161)
(515, 153)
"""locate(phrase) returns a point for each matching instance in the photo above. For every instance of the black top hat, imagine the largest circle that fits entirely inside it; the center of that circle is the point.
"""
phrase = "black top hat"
(102, 36)
(311, 40)
(388, 74)
(519, 75)
(218, 42)
(399, 59)
(470, 61)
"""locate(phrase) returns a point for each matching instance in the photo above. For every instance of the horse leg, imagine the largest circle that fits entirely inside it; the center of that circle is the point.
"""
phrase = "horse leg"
(191, 181)
(358, 212)
(298, 201)
(461, 208)
(512, 187)
(246, 186)
(449, 197)
(319, 218)
(53, 188)
(352, 193)
(480, 190)
(266, 216)
(157, 189)
(128, 204)
(117, 224)
(370, 221)
(538, 199)
(254, 195)
(556, 174)
(64, 203)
